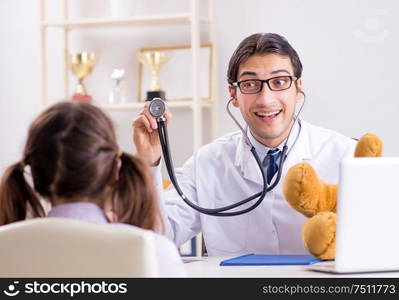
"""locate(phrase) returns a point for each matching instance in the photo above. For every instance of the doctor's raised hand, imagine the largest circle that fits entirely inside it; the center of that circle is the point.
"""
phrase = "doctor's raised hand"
(145, 135)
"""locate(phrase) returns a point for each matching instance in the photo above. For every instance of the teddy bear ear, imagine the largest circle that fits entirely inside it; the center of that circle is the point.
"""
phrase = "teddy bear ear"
(369, 145)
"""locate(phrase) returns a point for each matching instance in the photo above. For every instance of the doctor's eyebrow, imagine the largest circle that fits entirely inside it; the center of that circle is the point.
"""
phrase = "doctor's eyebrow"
(280, 71)
(247, 73)
(271, 73)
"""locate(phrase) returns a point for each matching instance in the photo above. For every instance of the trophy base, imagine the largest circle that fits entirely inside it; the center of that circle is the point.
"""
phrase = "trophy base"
(155, 94)
(81, 98)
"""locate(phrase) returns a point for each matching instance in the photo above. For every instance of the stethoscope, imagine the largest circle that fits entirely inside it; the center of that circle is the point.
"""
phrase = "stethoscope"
(157, 109)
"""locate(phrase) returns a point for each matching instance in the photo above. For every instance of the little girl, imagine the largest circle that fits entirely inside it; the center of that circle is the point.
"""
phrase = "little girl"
(77, 166)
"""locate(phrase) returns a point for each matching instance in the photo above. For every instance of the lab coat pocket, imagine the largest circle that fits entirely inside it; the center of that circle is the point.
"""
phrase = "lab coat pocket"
(225, 234)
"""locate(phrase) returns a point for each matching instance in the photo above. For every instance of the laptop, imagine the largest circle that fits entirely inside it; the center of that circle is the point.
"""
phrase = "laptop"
(367, 234)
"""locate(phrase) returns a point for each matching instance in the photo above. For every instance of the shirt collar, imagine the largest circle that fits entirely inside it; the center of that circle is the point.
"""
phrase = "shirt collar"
(298, 143)
(262, 149)
(84, 211)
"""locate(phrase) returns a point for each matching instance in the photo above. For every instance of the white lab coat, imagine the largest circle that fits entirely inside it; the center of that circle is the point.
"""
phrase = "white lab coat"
(225, 172)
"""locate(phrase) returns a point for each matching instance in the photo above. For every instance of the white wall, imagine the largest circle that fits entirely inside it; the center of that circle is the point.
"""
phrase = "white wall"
(19, 80)
(348, 49)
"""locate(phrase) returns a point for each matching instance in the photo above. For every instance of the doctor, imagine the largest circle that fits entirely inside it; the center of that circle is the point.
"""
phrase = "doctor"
(265, 84)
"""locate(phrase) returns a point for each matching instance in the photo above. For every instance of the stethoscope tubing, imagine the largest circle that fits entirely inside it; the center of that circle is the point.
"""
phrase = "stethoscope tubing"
(221, 211)
(210, 211)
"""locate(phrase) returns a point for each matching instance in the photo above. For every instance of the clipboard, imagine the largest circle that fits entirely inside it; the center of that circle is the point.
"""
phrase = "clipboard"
(270, 260)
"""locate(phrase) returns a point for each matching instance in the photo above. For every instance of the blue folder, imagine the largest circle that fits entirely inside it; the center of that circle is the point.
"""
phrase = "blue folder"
(269, 260)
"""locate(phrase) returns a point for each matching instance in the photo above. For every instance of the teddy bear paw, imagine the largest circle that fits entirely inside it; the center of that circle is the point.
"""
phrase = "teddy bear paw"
(318, 235)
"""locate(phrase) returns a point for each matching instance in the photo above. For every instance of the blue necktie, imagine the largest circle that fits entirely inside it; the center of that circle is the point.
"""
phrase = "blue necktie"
(271, 163)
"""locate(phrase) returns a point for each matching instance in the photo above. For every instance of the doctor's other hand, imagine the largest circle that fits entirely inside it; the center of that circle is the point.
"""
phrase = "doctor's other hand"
(145, 136)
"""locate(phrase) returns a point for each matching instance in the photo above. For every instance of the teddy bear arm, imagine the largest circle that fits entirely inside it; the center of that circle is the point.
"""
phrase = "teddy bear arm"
(328, 198)
(306, 193)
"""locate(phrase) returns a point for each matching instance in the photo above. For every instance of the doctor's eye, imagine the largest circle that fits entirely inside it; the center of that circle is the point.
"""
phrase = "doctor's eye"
(250, 85)
(280, 82)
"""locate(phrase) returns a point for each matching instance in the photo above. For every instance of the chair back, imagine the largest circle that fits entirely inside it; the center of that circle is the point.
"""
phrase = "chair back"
(60, 247)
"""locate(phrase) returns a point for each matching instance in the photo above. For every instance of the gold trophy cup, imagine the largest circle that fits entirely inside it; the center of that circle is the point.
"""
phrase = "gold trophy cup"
(81, 65)
(154, 60)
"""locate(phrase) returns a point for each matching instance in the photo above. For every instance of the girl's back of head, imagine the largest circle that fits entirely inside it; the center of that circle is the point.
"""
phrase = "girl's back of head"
(73, 155)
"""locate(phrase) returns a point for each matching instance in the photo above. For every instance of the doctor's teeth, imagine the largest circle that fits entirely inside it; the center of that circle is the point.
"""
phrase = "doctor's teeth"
(262, 114)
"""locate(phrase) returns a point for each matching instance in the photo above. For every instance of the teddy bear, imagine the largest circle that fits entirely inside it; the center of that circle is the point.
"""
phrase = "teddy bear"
(317, 200)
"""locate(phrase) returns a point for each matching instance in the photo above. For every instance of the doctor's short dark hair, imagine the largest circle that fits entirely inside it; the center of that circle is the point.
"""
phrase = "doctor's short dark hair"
(262, 44)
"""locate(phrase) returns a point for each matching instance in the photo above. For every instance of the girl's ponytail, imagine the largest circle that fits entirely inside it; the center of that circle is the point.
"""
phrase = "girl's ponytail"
(17, 197)
(135, 200)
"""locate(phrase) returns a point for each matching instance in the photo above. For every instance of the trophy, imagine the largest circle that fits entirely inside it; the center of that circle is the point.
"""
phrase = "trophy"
(81, 65)
(117, 94)
(154, 60)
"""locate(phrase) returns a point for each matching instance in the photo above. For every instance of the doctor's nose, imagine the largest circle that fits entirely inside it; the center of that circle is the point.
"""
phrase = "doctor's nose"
(266, 95)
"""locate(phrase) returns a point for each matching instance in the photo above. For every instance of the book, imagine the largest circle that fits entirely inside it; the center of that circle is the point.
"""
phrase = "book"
(270, 259)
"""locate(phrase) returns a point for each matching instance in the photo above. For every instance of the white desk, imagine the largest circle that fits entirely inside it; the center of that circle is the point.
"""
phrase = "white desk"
(209, 267)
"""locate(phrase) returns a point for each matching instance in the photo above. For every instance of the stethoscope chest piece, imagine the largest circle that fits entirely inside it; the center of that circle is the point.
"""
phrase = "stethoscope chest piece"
(157, 107)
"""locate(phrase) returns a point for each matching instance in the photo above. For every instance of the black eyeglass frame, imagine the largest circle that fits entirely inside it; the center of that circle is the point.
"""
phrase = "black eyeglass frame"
(291, 77)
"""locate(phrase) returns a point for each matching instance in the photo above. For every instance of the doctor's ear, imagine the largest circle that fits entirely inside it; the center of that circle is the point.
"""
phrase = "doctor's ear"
(233, 95)
(299, 87)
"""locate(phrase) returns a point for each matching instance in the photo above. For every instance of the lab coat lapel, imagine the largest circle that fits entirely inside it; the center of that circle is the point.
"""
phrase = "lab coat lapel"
(301, 151)
(246, 163)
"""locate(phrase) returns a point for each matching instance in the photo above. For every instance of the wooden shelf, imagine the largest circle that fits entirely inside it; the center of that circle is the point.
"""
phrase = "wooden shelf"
(120, 22)
(192, 19)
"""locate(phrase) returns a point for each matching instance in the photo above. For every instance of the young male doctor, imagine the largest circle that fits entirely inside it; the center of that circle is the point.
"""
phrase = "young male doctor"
(264, 77)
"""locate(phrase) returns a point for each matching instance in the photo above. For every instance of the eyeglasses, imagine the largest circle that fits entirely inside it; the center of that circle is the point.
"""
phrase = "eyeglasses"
(254, 86)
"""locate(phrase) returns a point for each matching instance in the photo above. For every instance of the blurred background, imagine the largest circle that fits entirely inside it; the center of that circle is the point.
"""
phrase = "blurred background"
(349, 50)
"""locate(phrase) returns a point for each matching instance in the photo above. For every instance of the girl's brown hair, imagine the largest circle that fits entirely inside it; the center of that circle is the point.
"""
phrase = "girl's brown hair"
(73, 154)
